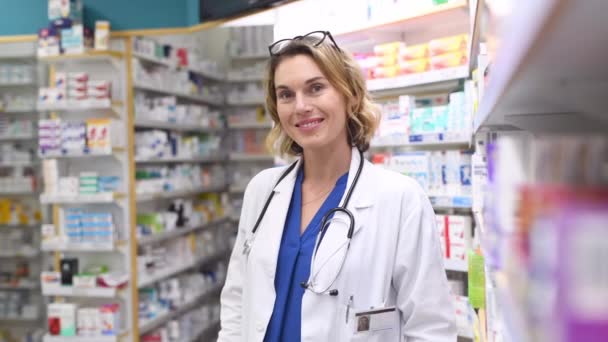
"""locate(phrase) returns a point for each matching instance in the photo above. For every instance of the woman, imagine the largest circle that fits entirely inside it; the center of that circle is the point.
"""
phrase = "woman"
(374, 271)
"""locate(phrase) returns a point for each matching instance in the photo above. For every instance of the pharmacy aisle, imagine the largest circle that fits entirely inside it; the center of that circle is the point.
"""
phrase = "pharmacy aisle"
(541, 195)
(20, 213)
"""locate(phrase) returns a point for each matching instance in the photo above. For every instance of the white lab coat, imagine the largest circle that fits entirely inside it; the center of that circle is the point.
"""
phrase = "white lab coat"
(394, 260)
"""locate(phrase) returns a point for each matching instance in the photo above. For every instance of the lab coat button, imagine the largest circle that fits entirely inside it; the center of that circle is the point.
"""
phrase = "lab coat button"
(260, 326)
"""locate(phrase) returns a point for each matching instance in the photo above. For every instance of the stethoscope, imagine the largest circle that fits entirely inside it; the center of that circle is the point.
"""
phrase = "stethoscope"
(310, 283)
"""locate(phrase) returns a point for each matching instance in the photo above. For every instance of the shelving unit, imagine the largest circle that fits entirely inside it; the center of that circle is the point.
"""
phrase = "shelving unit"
(532, 98)
(22, 95)
(111, 66)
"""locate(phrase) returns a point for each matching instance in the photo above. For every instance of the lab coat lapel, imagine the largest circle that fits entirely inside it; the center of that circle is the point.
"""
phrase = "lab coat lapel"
(271, 227)
(331, 249)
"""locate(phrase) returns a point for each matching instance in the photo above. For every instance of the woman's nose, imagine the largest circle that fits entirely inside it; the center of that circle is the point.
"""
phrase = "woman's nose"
(302, 104)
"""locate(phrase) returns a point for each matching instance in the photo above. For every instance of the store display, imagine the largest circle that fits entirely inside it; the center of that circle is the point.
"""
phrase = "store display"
(244, 94)
(249, 141)
(440, 173)
(397, 58)
(156, 180)
(167, 109)
(93, 136)
(250, 40)
(16, 128)
(74, 88)
(181, 214)
(561, 202)
(17, 305)
(431, 119)
(69, 319)
(17, 74)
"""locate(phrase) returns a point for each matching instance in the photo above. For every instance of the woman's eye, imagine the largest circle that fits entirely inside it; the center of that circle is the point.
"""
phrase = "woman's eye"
(316, 88)
(284, 95)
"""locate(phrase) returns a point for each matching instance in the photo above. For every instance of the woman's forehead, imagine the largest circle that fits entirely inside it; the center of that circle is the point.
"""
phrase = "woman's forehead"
(296, 69)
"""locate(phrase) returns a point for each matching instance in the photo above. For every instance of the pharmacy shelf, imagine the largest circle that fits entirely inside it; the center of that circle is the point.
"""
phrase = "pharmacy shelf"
(171, 64)
(250, 57)
(17, 138)
(147, 280)
(65, 154)
(22, 111)
(81, 199)
(30, 254)
(19, 193)
(192, 98)
(51, 338)
(420, 79)
(156, 238)
(456, 265)
(237, 189)
(80, 247)
(254, 125)
(18, 320)
(178, 194)
(531, 89)
(243, 79)
(451, 202)
(17, 84)
(80, 105)
(19, 226)
(213, 327)
(151, 325)
(440, 140)
(251, 157)
(93, 56)
(22, 285)
(245, 103)
(19, 164)
(142, 123)
(171, 160)
(70, 291)
(475, 10)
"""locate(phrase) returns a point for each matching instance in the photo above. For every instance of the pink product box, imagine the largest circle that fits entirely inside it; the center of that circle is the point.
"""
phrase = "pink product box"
(78, 77)
(81, 86)
(78, 94)
(100, 85)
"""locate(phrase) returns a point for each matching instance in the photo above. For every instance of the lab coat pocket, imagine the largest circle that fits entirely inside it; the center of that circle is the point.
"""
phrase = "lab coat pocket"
(374, 325)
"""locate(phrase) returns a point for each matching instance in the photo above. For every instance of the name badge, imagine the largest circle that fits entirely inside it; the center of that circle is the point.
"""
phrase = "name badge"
(374, 320)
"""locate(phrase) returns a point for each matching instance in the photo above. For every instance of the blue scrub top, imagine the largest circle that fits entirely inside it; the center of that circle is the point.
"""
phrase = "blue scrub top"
(293, 265)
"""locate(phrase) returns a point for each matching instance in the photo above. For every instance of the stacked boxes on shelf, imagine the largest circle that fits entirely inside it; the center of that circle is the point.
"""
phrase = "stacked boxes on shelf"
(74, 88)
(58, 137)
(180, 215)
(10, 128)
(69, 320)
(167, 109)
(183, 177)
(80, 226)
(85, 184)
(455, 234)
(66, 33)
(162, 144)
(397, 58)
(431, 119)
(19, 212)
(440, 173)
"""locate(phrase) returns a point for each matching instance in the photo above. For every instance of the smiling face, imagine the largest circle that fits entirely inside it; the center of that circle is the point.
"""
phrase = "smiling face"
(311, 111)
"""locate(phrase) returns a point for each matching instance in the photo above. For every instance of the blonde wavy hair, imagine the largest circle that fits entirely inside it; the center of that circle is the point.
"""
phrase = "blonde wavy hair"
(344, 74)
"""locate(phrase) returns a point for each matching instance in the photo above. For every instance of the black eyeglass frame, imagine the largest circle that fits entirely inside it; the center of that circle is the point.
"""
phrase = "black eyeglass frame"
(325, 35)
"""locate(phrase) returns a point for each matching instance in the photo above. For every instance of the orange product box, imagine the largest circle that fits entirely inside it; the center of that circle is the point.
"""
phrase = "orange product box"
(414, 52)
(388, 48)
(386, 72)
(413, 66)
(448, 44)
(449, 60)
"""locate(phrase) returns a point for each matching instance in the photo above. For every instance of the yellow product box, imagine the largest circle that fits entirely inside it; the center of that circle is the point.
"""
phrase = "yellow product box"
(388, 60)
(5, 211)
(388, 48)
(413, 66)
(449, 60)
(98, 134)
(414, 52)
(386, 72)
(448, 44)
